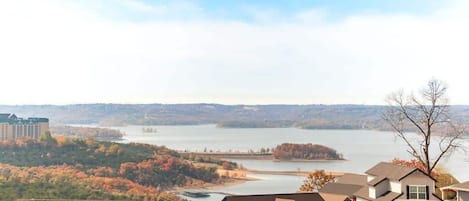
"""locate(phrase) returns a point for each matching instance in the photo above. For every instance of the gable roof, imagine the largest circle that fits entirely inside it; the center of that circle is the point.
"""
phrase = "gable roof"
(273, 197)
(392, 171)
(334, 197)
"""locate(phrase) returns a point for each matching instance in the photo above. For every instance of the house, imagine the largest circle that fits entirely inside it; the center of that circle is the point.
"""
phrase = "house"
(343, 188)
(276, 197)
(386, 182)
(462, 191)
(383, 182)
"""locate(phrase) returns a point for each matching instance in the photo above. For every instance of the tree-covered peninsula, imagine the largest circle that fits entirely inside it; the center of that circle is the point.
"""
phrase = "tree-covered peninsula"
(87, 132)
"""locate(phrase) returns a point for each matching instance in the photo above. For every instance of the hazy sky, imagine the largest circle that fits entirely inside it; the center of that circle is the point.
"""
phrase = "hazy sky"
(231, 52)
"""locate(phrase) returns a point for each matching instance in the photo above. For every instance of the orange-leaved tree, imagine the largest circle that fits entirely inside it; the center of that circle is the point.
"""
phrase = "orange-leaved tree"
(414, 163)
(316, 180)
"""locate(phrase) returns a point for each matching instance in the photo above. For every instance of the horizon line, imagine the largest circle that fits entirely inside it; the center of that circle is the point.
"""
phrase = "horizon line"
(206, 103)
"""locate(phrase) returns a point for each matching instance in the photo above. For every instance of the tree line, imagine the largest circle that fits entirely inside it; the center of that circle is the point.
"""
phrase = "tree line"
(288, 151)
(84, 168)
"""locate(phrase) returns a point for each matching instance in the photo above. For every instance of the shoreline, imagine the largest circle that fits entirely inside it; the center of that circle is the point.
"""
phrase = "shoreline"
(230, 182)
(241, 180)
(215, 186)
(293, 173)
(254, 156)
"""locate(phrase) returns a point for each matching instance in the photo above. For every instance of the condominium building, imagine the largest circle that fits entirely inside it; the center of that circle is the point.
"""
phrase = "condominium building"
(12, 127)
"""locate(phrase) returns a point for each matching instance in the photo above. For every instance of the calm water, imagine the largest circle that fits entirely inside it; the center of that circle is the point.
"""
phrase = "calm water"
(361, 148)
(266, 184)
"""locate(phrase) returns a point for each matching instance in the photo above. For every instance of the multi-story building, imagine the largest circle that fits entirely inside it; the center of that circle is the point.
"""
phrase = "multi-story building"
(12, 127)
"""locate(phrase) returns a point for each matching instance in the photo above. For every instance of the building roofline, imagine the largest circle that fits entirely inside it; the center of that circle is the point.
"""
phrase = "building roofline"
(416, 169)
(377, 182)
(454, 188)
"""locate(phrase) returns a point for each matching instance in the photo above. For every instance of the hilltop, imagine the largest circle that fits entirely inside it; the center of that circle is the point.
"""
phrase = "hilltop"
(228, 116)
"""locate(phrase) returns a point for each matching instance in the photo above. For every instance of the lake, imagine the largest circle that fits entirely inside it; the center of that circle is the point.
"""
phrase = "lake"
(361, 148)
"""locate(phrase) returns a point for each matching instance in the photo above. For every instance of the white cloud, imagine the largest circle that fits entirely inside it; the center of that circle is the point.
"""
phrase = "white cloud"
(56, 53)
(140, 6)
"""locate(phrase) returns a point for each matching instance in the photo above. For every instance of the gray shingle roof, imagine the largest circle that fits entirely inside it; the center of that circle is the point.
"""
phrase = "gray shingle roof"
(347, 184)
(377, 180)
(363, 193)
(390, 171)
(272, 197)
(341, 189)
(356, 179)
(390, 196)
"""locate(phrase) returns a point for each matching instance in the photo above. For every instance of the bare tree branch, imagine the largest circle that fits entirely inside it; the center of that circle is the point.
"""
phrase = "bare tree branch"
(428, 114)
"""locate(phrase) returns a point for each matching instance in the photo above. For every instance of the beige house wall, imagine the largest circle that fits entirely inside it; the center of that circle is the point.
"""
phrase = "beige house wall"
(382, 188)
(418, 178)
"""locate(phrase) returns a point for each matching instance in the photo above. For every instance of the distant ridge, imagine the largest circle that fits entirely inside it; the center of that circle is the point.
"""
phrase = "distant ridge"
(343, 116)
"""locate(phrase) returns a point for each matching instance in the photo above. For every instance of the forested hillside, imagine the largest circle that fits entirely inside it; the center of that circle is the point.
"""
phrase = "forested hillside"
(86, 169)
(251, 116)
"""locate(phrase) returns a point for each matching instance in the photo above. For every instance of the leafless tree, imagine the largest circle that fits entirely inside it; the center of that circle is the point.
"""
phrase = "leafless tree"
(427, 113)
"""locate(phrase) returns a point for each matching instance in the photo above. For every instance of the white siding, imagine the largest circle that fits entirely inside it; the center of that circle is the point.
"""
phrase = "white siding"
(396, 187)
(370, 178)
(372, 192)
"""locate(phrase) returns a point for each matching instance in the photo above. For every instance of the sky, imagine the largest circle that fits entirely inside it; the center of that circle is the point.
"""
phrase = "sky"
(230, 52)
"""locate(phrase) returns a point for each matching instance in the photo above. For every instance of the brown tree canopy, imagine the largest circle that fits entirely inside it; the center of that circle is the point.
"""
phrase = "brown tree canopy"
(428, 114)
(315, 181)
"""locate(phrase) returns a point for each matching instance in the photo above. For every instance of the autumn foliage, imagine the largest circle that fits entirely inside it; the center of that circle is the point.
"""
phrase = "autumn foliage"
(413, 163)
(288, 151)
(86, 169)
(315, 181)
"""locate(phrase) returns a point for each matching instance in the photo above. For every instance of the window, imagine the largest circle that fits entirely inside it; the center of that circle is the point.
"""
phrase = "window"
(418, 192)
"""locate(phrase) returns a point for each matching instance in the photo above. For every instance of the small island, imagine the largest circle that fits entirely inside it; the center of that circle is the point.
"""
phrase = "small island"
(289, 151)
(149, 130)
